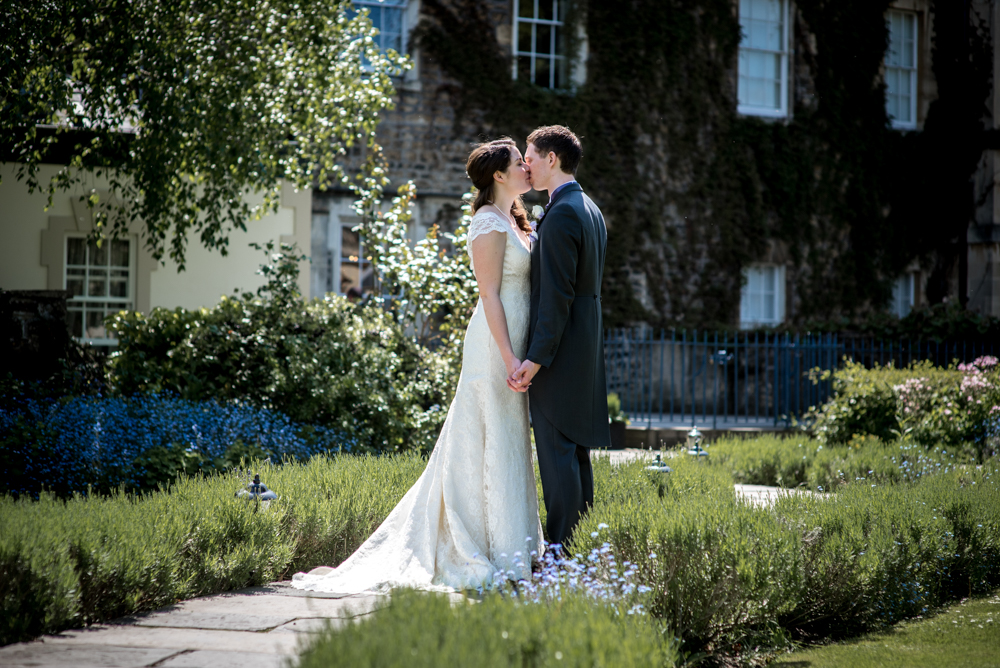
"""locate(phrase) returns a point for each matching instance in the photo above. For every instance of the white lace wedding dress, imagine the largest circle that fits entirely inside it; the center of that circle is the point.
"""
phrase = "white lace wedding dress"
(475, 505)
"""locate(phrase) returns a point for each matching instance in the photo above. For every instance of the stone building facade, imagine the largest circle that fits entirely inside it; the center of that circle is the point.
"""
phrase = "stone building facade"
(773, 77)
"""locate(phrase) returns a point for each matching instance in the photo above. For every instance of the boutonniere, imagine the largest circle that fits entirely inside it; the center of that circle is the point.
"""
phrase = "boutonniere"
(533, 235)
(538, 212)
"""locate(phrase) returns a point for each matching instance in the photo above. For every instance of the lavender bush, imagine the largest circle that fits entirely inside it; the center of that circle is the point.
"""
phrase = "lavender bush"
(71, 444)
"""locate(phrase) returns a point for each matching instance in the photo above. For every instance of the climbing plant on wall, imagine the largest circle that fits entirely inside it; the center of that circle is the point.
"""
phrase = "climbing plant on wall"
(694, 192)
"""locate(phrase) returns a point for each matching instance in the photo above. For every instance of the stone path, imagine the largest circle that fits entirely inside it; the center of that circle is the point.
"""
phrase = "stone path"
(262, 626)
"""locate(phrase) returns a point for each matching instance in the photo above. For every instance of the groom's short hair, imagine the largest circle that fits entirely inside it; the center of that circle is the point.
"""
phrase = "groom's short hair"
(560, 140)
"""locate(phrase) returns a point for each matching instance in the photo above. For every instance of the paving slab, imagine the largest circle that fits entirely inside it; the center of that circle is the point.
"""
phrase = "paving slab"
(178, 639)
(82, 655)
(216, 659)
(223, 621)
(314, 625)
(765, 497)
(267, 605)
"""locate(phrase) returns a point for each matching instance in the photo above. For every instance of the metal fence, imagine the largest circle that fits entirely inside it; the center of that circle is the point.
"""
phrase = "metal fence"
(752, 378)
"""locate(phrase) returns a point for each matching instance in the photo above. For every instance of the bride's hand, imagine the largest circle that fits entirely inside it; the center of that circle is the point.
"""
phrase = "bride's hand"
(512, 365)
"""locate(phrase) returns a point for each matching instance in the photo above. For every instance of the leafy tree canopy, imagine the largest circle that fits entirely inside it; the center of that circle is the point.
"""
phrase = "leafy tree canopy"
(187, 106)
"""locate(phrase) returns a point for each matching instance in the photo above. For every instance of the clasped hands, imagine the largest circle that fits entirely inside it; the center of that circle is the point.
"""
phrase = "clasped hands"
(519, 374)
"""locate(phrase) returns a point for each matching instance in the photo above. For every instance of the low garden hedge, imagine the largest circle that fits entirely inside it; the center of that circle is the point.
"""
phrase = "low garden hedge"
(797, 461)
(720, 575)
(416, 630)
(93, 558)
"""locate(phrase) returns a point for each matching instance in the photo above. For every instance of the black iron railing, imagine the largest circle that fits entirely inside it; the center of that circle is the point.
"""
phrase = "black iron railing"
(752, 378)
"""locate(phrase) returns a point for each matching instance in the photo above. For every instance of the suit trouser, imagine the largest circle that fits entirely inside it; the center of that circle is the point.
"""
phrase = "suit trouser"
(567, 478)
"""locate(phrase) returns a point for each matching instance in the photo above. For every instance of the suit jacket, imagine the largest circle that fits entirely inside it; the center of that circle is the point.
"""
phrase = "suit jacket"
(566, 331)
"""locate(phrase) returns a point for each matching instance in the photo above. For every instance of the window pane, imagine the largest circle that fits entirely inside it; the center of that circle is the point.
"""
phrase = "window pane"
(119, 288)
(524, 37)
(350, 243)
(74, 320)
(526, 9)
(758, 35)
(349, 278)
(75, 286)
(542, 72)
(76, 251)
(97, 284)
(543, 39)
(98, 256)
(119, 253)
(524, 68)
(367, 278)
(545, 10)
(95, 322)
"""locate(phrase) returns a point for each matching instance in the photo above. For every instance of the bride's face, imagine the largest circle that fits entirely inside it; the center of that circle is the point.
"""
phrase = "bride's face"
(518, 175)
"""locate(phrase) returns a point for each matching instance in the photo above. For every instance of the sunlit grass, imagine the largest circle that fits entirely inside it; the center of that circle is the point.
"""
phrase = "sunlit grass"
(966, 634)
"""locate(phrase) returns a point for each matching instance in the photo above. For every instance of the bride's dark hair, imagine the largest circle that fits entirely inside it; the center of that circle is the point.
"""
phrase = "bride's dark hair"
(484, 161)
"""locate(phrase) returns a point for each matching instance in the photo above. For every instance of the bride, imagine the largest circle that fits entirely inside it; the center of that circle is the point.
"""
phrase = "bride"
(474, 510)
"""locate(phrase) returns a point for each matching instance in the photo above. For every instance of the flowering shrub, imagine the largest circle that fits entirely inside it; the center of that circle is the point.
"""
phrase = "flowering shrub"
(66, 446)
(921, 403)
(941, 413)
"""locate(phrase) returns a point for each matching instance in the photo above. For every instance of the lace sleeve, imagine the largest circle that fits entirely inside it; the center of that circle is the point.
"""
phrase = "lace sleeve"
(485, 222)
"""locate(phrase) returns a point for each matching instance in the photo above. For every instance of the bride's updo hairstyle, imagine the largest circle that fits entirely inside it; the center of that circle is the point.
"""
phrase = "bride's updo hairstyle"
(486, 160)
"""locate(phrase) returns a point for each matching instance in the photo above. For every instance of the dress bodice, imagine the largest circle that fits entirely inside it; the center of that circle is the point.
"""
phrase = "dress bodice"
(516, 257)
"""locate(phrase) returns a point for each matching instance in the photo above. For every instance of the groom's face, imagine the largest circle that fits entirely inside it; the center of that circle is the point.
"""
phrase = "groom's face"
(540, 171)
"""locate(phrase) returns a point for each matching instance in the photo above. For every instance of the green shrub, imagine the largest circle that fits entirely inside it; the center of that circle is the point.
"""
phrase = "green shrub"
(863, 402)
(779, 461)
(714, 563)
(924, 403)
(326, 362)
(880, 553)
(794, 461)
(419, 629)
(93, 558)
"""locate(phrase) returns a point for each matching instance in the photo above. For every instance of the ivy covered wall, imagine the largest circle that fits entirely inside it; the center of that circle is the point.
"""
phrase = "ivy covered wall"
(693, 192)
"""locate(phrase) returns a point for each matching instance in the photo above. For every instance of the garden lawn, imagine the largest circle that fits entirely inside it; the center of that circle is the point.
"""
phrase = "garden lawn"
(966, 634)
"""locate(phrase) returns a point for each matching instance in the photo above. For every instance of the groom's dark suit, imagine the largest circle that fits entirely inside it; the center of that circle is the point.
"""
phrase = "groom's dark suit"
(568, 395)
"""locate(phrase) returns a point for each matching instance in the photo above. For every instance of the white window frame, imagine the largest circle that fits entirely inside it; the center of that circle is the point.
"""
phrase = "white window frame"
(904, 294)
(126, 303)
(750, 320)
(401, 5)
(782, 111)
(912, 71)
(557, 24)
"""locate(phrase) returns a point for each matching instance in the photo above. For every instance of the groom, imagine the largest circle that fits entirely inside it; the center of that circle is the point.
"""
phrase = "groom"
(565, 361)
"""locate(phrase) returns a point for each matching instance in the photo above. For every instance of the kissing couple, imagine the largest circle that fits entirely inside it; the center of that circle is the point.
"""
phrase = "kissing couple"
(535, 340)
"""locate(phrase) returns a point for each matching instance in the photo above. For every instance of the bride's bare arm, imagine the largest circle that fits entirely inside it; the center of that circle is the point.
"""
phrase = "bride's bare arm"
(487, 256)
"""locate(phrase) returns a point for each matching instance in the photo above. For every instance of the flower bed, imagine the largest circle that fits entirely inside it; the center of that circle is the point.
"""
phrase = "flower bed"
(77, 443)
